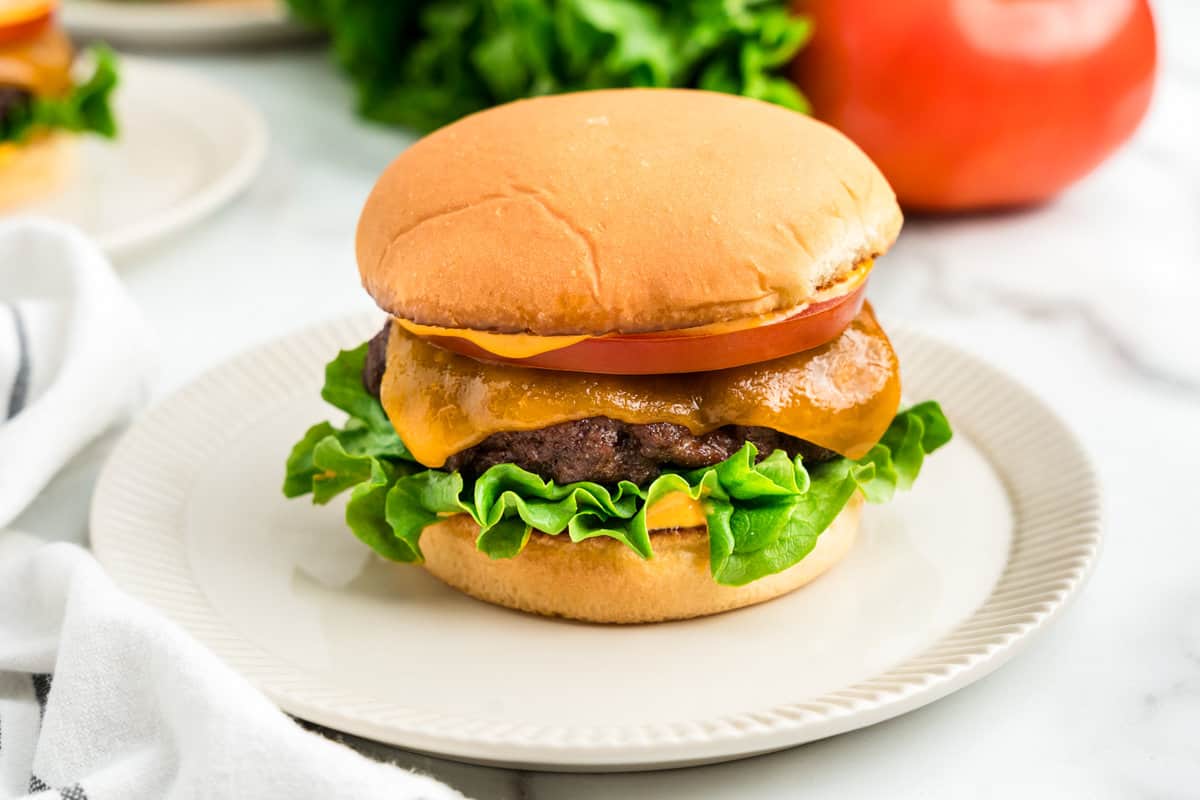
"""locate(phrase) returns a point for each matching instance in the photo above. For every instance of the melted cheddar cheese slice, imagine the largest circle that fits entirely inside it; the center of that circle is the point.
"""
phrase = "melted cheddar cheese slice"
(40, 63)
(675, 510)
(841, 396)
(505, 345)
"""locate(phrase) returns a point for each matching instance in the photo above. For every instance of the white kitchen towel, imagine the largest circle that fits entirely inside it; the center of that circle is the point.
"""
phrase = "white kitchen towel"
(74, 352)
(103, 699)
(100, 697)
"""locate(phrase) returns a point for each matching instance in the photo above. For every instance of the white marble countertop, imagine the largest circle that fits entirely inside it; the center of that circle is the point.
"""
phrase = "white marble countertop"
(1091, 301)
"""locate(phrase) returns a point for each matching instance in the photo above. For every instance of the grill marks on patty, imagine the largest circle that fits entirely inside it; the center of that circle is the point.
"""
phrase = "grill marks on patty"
(601, 449)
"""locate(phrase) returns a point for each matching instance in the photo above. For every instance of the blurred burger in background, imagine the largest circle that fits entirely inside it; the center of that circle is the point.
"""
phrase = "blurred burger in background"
(40, 101)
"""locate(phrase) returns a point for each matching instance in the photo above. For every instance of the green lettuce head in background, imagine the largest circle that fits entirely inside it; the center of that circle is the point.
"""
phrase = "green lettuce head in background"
(424, 64)
(762, 517)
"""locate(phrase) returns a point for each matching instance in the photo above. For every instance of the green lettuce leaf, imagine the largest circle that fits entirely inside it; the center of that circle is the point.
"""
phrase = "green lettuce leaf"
(423, 64)
(86, 109)
(763, 516)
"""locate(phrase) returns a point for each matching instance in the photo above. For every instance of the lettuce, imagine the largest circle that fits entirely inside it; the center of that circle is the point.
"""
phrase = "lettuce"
(762, 517)
(423, 64)
(86, 109)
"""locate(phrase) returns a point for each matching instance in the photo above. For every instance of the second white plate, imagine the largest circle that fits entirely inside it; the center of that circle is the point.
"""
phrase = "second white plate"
(190, 23)
(944, 585)
(186, 147)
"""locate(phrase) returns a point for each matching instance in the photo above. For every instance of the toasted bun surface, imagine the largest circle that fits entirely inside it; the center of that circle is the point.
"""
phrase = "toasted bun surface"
(34, 170)
(621, 210)
(602, 580)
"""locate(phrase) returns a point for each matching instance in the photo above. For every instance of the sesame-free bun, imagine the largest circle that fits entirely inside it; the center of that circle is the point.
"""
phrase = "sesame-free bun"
(31, 171)
(603, 580)
(621, 210)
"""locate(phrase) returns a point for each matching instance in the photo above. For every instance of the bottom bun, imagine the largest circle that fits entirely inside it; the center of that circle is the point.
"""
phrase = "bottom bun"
(602, 580)
(32, 171)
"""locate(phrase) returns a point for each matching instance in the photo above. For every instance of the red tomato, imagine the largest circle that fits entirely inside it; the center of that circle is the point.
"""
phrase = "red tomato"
(968, 104)
(668, 353)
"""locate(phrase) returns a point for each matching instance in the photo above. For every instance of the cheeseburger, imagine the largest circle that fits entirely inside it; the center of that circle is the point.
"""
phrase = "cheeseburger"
(40, 101)
(628, 373)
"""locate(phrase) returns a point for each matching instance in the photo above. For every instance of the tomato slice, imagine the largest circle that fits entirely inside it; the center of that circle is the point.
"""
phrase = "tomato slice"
(24, 18)
(673, 352)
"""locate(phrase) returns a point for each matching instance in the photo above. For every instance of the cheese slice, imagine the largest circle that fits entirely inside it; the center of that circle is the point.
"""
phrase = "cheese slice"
(675, 510)
(841, 396)
(40, 62)
(505, 345)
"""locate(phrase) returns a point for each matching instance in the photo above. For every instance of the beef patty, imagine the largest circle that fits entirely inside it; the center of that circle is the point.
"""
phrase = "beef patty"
(13, 100)
(605, 450)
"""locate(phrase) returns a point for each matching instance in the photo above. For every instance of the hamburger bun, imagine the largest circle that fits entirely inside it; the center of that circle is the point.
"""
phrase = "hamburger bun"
(603, 580)
(626, 210)
(31, 171)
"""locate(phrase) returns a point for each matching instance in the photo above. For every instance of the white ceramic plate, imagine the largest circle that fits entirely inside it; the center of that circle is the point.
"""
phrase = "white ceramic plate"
(944, 585)
(190, 23)
(186, 148)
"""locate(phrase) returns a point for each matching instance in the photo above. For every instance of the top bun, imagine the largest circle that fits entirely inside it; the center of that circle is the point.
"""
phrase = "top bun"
(621, 210)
